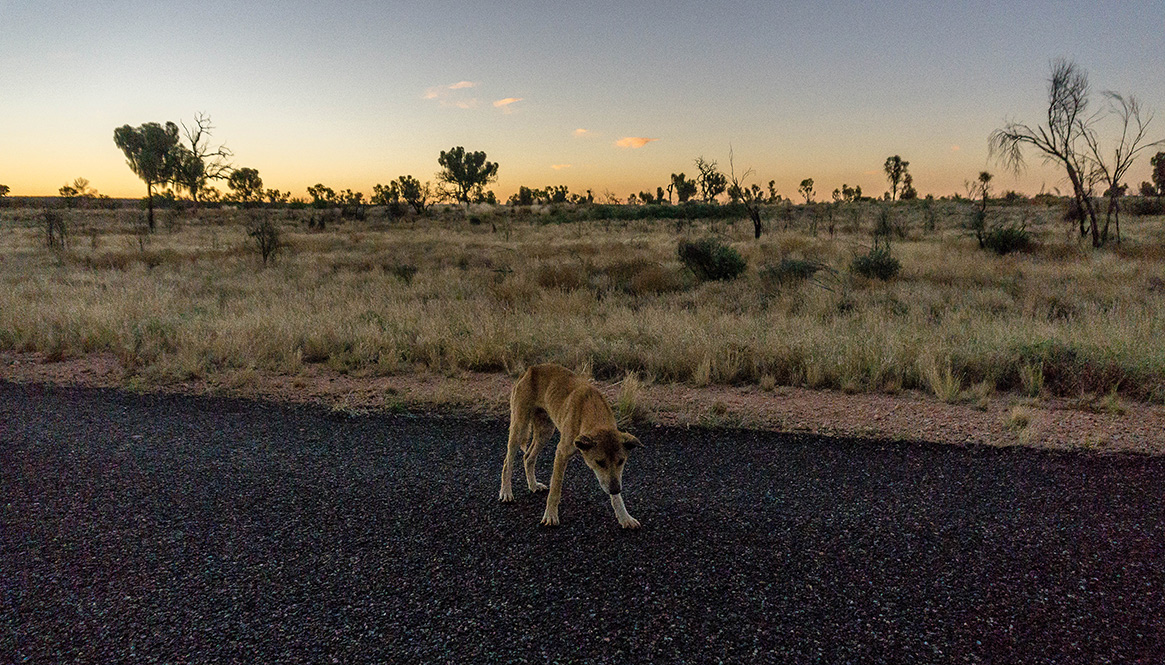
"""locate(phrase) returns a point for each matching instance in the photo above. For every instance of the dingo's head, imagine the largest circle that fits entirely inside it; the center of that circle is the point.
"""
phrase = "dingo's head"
(605, 451)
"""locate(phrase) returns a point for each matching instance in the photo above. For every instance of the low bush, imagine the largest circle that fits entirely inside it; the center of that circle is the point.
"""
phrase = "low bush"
(711, 260)
(1007, 239)
(878, 263)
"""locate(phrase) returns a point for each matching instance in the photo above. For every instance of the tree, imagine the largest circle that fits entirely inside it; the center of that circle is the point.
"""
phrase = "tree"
(1157, 161)
(750, 196)
(806, 189)
(79, 189)
(895, 169)
(321, 196)
(908, 192)
(1147, 189)
(414, 193)
(247, 185)
(274, 197)
(1059, 140)
(150, 153)
(712, 182)
(197, 163)
(684, 187)
(4, 191)
(386, 195)
(467, 173)
(1132, 141)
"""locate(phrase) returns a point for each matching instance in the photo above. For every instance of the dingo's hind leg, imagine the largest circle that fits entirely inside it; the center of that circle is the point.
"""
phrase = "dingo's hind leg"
(519, 432)
(540, 431)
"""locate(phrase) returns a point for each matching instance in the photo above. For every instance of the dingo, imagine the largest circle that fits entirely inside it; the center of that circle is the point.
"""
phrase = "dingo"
(551, 394)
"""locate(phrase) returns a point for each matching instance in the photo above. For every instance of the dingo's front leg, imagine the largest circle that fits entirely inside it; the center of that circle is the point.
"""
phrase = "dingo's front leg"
(621, 514)
(550, 517)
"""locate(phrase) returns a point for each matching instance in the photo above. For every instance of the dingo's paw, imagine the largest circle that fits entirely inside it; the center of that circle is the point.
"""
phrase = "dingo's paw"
(505, 496)
(549, 519)
(630, 523)
(538, 487)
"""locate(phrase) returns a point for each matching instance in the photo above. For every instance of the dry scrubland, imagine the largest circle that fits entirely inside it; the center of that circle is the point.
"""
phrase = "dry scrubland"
(193, 302)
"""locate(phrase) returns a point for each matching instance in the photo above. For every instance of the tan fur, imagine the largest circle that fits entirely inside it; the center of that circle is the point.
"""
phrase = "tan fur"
(551, 396)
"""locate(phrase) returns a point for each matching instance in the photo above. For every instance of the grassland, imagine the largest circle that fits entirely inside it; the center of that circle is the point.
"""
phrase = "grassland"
(502, 289)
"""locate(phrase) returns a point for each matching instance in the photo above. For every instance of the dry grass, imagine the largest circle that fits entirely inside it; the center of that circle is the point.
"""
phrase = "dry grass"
(609, 295)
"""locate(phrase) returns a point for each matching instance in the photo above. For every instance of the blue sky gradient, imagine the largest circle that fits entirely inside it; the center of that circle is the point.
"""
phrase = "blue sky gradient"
(359, 93)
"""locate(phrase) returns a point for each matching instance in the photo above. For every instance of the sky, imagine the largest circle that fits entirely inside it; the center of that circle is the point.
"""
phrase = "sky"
(607, 96)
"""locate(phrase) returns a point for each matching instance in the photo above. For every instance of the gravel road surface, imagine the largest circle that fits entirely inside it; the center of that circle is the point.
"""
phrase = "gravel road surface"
(207, 530)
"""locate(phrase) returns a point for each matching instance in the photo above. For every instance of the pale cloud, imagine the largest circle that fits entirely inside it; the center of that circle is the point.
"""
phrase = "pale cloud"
(504, 104)
(559, 167)
(581, 132)
(445, 95)
(633, 141)
(955, 148)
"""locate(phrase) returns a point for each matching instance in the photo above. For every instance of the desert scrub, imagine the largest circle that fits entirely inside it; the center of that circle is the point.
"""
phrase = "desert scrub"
(1060, 321)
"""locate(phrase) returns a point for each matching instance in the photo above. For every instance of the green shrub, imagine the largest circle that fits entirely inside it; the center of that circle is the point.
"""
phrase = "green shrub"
(1007, 239)
(878, 263)
(710, 259)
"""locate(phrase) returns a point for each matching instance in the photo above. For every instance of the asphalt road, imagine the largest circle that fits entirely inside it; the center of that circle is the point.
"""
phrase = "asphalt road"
(205, 530)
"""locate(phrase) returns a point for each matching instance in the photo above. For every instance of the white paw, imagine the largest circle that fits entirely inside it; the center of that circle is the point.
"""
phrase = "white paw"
(550, 519)
(630, 523)
(538, 487)
(505, 496)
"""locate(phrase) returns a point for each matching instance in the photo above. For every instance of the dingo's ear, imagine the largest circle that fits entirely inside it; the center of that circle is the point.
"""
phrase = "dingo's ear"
(630, 442)
(584, 442)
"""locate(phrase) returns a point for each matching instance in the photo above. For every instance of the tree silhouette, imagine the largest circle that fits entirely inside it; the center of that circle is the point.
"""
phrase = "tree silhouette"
(321, 195)
(751, 197)
(467, 173)
(197, 163)
(150, 153)
(1157, 161)
(806, 189)
(895, 169)
(247, 185)
(908, 192)
(1059, 140)
(684, 188)
(4, 191)
(414, 192)
(712, 181)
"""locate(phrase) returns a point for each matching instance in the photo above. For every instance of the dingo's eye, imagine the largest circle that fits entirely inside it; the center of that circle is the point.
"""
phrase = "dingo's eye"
(619, 462)
(602, 464)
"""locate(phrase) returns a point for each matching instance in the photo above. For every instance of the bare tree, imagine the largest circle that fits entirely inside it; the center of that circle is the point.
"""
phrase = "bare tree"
(1132, 141)
(198, 163)
(750, 196)
(1059, 140)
